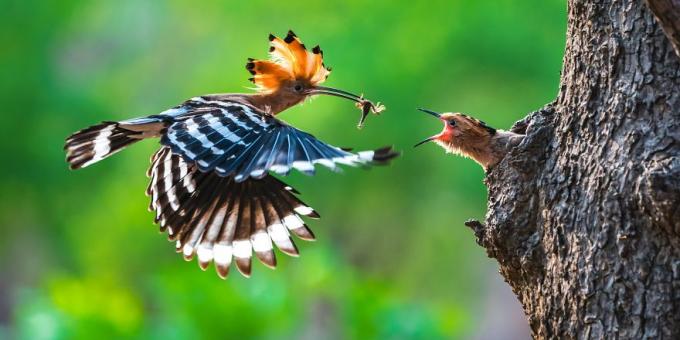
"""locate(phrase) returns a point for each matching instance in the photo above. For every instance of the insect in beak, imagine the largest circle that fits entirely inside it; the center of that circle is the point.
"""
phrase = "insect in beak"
(365, 105)
(429, 139)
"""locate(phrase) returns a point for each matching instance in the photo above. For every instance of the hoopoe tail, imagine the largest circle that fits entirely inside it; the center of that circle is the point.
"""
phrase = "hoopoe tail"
(99, 141)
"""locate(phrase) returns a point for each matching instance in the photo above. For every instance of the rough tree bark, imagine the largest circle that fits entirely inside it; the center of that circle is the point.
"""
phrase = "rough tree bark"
(584, 216)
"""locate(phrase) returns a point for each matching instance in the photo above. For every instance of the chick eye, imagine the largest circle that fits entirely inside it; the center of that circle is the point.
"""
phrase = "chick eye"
(297, 88)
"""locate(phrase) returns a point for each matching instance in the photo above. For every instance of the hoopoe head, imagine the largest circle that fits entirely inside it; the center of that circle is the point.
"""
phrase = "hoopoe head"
(462, 134)
(293, 73)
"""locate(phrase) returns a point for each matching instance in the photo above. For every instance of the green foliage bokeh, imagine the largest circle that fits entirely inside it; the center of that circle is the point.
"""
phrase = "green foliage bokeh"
(80, 257)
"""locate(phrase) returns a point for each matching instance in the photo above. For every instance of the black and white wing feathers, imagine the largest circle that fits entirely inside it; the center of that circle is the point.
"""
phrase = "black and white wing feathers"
(220, 220)
(210, 188)
(237, 140)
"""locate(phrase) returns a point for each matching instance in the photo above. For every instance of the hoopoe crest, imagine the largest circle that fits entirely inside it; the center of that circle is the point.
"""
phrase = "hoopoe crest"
(290, 62)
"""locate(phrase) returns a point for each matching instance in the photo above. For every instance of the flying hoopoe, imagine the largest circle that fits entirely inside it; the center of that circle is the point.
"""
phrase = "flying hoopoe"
(211, 187)
(471, 137)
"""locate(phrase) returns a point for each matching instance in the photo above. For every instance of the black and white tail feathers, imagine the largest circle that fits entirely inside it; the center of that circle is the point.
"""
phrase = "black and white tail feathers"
(99, 141)
(95, 143)
(220, 220)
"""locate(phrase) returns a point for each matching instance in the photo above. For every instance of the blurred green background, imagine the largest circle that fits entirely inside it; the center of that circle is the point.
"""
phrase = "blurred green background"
(79, 254)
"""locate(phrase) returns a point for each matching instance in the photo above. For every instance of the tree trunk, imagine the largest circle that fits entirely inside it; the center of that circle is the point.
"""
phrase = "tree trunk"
(584, 216)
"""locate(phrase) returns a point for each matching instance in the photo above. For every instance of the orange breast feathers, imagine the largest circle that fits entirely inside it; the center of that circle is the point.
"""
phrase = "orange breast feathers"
(289, 61)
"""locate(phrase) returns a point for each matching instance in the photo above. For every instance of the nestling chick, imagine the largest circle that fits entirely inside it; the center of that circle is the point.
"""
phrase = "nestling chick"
(470, 137)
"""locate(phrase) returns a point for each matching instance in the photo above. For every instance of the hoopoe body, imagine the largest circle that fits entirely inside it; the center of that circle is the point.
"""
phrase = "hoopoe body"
(470, 137)
(211, 187)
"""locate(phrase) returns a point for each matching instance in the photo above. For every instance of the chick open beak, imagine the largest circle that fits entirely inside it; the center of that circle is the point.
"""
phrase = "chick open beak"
(429, 139)
(436, 114)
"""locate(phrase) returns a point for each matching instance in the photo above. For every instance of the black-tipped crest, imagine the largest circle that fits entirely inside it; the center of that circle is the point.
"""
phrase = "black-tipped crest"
(289, 60)
(250, 66)
(289, 37)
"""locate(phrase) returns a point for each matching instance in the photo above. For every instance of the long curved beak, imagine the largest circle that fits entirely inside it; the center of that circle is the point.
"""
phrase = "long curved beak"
(365, 105)
(316, 90)
(429, 139)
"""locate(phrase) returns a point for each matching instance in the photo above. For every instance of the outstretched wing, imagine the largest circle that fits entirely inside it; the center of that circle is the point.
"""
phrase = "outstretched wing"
(221, 220)
(237, 140)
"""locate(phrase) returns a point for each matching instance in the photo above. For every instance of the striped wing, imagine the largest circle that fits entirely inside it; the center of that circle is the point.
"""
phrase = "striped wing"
(236, 140)
(223, 221)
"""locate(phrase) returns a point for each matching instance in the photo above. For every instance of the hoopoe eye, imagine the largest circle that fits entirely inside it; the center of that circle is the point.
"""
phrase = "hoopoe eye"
(298, 88)
(451, 123)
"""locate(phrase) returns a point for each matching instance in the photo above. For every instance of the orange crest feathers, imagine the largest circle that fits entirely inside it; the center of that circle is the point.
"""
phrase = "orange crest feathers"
(290, 61)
